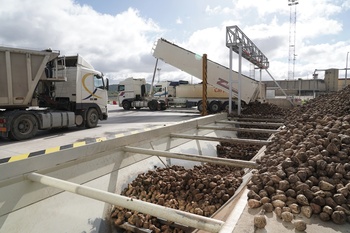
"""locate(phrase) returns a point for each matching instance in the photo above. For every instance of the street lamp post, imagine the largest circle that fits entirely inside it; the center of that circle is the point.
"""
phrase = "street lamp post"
(346, 68)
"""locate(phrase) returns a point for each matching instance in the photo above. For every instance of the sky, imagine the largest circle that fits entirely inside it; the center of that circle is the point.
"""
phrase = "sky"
(117, 36)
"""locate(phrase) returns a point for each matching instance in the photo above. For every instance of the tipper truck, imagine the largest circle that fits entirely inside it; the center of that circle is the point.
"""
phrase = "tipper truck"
(181, 93)
(217, 78)
(43, 90)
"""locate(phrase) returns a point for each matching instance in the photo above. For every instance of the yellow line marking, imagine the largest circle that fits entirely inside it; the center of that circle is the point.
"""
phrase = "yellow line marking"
(135, 132)
(101, 139)
(18, 157)
(51, 150)
(77, 144)
(119, 135)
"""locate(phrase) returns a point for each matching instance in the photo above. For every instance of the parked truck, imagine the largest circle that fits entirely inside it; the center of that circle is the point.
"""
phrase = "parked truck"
(43, 90)
(133, 93)
(217, 78)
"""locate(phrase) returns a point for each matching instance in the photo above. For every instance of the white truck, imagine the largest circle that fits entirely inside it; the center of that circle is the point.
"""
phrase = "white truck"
(217, 78)
(133, 94)
(181, 93)
(42, 90)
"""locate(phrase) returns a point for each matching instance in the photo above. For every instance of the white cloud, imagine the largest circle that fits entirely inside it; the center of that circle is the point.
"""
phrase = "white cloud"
(120, 45)
(179, 21)
(111, 43)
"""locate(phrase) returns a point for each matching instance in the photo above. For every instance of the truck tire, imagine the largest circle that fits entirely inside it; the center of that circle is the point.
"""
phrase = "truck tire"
(162, 106)
(23, 127)
(214, 106)
(200, 106)
(225, 106)
(91, 118)
(126, 105)
(153, 105)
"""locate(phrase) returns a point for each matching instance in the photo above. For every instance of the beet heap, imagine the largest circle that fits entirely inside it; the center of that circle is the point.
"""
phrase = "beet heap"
(306, 167)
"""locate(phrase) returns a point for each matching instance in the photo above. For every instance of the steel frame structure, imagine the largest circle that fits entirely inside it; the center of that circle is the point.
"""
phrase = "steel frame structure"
(239, 43)
(235, 38)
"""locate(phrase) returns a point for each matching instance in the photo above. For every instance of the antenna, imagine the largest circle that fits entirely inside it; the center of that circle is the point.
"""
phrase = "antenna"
(292, 32)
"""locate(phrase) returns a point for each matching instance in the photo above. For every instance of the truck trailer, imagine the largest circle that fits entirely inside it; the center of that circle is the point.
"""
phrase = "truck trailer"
(217, 79)
(43, 90)
(182, 94)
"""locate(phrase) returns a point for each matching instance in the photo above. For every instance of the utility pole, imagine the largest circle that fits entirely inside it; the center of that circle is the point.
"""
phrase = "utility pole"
(292, 35)
(346, 69)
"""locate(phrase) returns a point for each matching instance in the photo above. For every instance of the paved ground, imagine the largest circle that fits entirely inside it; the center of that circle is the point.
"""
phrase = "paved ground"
(119, 121)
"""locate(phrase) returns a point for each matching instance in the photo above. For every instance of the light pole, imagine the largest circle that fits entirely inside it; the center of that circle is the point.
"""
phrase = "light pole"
(346, 68)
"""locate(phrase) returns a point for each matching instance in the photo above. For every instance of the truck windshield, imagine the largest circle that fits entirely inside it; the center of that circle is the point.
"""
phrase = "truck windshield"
(98, 82)
(121, 88)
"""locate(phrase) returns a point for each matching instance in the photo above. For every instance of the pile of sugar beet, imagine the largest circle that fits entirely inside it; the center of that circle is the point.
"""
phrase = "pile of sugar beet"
(306, 168)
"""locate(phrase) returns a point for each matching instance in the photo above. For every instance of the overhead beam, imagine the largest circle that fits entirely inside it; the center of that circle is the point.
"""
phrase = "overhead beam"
(236, 38)
(192, 157)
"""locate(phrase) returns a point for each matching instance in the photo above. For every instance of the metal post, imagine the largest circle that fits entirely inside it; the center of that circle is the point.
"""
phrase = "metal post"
(239, 78)
(260, 87)
(280, 87)
(205, 81)
(230, 84)
(346, 68)
(154, 75)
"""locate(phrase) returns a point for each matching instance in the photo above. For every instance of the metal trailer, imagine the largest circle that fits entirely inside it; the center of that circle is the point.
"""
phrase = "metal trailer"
(217, 74)
(40, 90)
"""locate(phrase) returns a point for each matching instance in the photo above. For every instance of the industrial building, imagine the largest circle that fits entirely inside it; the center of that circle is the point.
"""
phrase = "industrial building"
(307, 87)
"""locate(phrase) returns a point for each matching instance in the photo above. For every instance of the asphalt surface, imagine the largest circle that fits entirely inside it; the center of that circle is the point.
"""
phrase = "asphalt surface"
(119, 121)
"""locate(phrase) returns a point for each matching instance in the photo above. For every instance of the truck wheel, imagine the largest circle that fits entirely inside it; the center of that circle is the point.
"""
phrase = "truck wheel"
(225, 106)
(153, 105)
(23, 127)
(91, 118)
(200, 106)
(126, 105)
(214, 106)
(162, 106)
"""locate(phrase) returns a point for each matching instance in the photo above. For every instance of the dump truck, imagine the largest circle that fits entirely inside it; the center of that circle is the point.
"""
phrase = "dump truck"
(190, 62)
(182, 94)
(42, 90)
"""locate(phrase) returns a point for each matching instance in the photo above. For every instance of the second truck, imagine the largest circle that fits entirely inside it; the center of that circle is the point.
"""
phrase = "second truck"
(42, 90)
(133, 93)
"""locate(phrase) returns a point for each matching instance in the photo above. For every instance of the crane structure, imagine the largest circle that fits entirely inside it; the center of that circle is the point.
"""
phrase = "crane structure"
(292, 35)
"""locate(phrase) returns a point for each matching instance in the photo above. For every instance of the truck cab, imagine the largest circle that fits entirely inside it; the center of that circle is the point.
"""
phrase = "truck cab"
(165, 89)
(85, 92)
(42, 90)
(133, 94)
